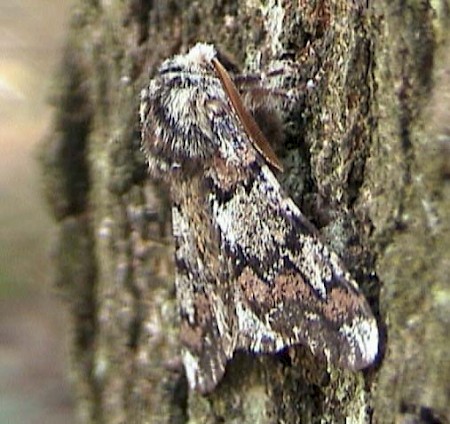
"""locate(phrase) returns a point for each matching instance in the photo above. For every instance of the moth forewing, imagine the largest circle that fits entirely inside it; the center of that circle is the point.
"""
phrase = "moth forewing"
(258, 139)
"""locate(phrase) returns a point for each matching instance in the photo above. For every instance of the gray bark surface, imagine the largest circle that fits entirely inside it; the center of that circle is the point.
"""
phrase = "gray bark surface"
(367, 159)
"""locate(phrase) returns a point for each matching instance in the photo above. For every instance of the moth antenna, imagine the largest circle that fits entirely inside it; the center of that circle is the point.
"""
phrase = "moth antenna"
(251, 127)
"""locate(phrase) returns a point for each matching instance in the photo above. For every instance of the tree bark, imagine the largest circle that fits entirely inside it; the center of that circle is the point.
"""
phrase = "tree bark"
(367, 158)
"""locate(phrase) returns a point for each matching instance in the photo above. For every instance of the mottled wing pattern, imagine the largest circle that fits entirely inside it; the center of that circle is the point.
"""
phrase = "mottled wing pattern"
(289, 288)
(201, 285)
(251, 271)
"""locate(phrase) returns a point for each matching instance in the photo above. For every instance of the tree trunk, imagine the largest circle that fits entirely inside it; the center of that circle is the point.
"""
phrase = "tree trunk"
(366, 157)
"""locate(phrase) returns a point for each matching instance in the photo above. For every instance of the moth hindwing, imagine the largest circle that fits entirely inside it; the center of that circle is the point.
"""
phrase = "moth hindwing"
(251, 272)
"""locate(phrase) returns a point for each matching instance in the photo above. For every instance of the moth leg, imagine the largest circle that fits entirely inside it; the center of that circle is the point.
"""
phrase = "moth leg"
(242, 80)
(272, 97)
(280, 85)
(256, 97)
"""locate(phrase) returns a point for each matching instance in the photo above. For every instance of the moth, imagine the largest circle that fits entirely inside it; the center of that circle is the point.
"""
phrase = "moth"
(251, 271)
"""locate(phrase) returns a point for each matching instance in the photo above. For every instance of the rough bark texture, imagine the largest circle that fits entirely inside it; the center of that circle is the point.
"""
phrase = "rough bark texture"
(367, 158)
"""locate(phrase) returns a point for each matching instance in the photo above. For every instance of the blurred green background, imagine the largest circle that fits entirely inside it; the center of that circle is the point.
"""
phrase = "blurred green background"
(34, 381)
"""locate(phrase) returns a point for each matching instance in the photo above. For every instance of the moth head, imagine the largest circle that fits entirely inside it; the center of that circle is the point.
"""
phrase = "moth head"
(195, 61)
(179, 108)
(192, 111)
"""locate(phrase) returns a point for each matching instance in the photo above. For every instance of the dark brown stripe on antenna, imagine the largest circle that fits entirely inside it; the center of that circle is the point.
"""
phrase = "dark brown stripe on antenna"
(258, 139)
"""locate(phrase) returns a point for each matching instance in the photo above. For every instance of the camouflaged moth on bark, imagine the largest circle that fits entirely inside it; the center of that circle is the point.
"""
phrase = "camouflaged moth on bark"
(251, 271)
